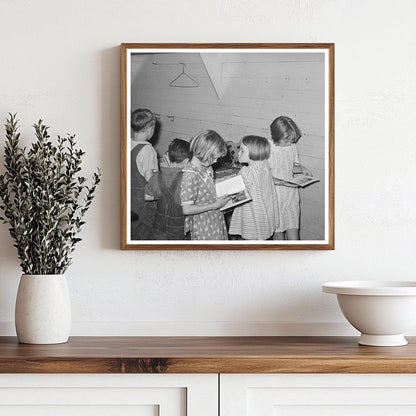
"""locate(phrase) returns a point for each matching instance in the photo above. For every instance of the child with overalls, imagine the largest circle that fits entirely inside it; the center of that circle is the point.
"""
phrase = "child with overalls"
(165, 186)
(143, 163)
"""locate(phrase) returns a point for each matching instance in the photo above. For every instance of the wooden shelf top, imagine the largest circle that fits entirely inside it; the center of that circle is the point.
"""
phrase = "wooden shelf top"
(206, 355)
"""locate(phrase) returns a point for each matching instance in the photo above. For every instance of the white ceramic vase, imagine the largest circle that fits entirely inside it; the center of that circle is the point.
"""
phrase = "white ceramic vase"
(43, 309)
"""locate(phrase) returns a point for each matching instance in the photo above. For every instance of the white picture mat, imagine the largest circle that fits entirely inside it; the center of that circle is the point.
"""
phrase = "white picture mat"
(132, 51)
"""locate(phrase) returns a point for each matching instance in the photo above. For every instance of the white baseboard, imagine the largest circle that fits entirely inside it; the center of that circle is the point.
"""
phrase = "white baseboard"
(201, 329)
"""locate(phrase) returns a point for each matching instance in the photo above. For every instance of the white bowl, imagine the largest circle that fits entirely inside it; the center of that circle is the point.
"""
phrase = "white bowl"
(381, 311)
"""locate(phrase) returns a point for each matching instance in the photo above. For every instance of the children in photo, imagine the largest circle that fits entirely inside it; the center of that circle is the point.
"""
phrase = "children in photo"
(257, 219)
(143, 163)
(204, 220)
(165, 187)
(284, 162)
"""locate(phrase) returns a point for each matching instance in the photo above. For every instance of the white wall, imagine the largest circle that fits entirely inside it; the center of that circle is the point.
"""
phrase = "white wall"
(60, 61)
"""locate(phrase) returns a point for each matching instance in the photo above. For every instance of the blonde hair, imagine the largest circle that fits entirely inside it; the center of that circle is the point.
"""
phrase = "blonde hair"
(258, 147)
(208, 146)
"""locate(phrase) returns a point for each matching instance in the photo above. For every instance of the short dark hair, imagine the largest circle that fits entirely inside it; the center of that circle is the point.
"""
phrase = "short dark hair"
(258, 147)
(284, 129)
(179, 150)
(141, 119)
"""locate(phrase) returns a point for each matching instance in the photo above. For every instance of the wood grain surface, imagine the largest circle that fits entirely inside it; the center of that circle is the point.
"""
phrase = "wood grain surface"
(206, 355)
(124, 148)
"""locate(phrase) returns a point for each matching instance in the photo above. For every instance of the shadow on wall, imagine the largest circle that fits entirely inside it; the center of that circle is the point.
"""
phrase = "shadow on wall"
(109, 102)
(9, 279)
(266, 317)
(109, 97)
(156, 135)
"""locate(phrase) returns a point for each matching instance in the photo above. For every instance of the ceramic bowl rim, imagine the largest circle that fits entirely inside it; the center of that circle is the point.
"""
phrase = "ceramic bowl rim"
(371, 288)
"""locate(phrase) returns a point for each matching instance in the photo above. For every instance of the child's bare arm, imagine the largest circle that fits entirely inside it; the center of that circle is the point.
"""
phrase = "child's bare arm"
(306, 171)
(199, 209)
(151, 190)
(149, 197)
(298, 168)
(148, 174)
(281, 182)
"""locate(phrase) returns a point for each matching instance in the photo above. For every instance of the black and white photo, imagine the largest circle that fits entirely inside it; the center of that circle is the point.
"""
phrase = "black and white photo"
(227, 146)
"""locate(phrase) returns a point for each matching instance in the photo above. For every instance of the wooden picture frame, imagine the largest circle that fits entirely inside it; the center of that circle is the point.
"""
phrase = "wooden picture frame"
(236, 90)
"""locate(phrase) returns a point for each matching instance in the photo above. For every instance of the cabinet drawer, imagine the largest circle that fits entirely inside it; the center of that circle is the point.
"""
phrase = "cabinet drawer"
(108, 395)
(317, 394)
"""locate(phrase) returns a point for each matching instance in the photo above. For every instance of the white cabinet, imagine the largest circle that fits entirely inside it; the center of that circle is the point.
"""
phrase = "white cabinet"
(109, 394)
(317, 394)
(197, 394)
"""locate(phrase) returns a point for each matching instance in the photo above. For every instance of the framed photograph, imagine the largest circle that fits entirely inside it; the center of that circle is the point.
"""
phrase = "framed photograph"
(227, 146)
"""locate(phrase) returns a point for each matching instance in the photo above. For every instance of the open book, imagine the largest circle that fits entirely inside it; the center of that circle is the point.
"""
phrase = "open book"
(233, 186)
(302, 180)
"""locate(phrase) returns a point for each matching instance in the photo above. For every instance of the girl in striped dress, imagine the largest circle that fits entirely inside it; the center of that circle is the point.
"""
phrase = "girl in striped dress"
(284, 162)
(257, 219)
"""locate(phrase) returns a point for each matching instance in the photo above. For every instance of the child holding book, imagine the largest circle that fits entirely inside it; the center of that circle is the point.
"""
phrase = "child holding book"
(165, 187)
(257, 219)
(284, 163)
(143, 163)
(200, 205)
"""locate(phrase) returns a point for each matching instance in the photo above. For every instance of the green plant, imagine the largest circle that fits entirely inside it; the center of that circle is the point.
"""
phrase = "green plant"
(44, 198)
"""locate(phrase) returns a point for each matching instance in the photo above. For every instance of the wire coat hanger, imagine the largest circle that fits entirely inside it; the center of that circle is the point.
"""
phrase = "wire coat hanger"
(183, 80)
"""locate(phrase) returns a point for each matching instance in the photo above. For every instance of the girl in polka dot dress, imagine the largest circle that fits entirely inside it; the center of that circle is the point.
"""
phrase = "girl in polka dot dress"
(200, 205)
